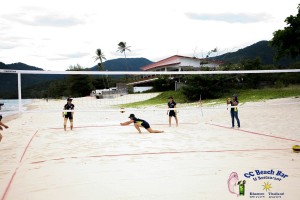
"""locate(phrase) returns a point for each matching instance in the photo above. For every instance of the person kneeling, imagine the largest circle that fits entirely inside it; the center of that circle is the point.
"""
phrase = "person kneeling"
(139, 123)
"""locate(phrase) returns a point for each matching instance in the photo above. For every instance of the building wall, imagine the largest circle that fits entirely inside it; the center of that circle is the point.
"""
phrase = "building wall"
(189, 62)
(196, 63)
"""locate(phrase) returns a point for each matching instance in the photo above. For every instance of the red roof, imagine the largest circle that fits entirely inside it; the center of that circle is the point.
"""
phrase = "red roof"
(173, 60)
(165, 62)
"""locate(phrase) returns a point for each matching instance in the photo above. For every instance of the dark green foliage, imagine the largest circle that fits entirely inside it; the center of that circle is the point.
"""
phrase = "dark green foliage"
(208, 86)
(57, 89)
(287, 41)
(80, 85)
(215, 86)
(98, 82)
(163, 83)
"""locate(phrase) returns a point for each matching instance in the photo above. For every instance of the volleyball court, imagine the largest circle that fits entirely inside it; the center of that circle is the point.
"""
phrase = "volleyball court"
(101, 159)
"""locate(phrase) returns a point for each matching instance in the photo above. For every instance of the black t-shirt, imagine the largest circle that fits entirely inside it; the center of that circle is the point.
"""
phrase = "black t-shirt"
(139, 121)
(69, 107)
(232, 104)
(172, 105)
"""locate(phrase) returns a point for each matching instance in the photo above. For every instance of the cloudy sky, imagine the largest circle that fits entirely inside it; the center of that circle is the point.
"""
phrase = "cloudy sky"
(56, 34)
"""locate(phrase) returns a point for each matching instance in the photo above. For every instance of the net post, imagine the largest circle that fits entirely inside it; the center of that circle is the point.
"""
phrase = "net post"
(19, 92)
(201, 105)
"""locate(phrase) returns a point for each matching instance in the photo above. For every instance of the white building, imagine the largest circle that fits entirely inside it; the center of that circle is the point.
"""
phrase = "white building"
(181, 63)
(174, 63)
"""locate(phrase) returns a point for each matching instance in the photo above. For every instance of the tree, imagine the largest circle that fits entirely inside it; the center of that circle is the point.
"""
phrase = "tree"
(163, 83)
(211, 51)
(100, 56)
(122, 48)
(80, 85)
(287, 41)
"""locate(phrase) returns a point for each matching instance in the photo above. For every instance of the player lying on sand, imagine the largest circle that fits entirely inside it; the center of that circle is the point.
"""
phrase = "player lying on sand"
(139, 123)
(1, 124)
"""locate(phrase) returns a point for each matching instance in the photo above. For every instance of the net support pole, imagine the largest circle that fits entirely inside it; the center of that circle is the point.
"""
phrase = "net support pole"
(201, 105)
(19, 92)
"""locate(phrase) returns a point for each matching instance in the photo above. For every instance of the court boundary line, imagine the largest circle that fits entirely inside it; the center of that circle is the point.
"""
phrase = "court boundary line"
(17, 168)
(158, 153)
(9, 184)
(254, 133)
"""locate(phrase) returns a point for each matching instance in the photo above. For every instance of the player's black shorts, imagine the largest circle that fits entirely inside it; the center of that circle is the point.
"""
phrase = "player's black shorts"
(172, 113)
(0, 118)
(145, 125)
(69, 116)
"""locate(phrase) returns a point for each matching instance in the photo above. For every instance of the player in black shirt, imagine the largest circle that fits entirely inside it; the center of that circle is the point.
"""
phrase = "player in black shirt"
(68, 115)
(234, 111)
(139, 123)
(172, 113)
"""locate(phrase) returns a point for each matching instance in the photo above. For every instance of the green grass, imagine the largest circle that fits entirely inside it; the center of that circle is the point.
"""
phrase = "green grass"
(160, 99)
(270, 93)
(254, 95)
(248, 95)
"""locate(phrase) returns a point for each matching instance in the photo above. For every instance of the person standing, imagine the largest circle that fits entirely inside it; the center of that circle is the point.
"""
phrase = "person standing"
(68, 115)
(233, 101)
(172, 113)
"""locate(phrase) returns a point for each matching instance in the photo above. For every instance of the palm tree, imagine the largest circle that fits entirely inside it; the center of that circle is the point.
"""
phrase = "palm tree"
(100, 56)
(123, 48)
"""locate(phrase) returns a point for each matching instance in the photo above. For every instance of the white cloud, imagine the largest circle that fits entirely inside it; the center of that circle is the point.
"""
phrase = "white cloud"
(231, 18)
(5, 45)
(75, 55)
(54, 20)
(49, 19)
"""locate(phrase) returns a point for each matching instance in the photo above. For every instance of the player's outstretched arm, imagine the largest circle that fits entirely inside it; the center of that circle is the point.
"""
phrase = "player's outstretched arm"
(126, 123)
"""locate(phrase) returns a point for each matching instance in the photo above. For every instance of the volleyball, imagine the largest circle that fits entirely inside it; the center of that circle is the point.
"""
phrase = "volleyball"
(122, 110)
(296, 148)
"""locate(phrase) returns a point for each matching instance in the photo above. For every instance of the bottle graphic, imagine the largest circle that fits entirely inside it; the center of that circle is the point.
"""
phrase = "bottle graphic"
(242, 187)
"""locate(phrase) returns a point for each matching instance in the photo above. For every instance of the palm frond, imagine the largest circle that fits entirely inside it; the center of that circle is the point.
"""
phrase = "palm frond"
(96, 58)
(122, 44)
(99, 56)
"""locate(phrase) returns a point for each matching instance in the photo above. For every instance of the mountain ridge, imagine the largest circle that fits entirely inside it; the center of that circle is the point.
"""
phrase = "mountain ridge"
(9, 84)
(260, 49)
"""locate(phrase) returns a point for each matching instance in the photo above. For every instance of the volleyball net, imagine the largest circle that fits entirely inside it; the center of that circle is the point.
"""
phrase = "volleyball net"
(123, 91)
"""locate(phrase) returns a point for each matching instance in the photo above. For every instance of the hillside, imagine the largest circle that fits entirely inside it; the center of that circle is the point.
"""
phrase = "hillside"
(119, 64)
(8, 82)
(260, 49)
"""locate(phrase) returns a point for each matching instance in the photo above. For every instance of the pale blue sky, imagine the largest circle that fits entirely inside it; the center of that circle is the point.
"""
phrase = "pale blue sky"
(58, 33)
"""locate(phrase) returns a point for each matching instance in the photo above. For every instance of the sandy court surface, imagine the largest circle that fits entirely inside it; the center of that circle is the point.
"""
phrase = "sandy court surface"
(101, 160)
